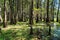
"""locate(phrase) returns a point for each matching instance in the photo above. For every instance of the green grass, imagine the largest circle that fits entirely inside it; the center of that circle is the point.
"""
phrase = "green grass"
(13, 34)
(18, 34)
(21, 31)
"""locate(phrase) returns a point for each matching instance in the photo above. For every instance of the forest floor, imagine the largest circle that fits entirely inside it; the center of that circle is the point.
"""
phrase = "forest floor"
(21, 31)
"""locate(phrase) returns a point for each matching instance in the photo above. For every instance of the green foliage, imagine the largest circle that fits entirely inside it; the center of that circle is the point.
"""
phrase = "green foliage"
(1, 2)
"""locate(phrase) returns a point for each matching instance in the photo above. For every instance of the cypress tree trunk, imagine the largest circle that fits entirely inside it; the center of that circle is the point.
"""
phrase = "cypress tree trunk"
(19, 9)
(57, 14)
(31, 17)
(52, 11)
(40, 3)
(37, 15)
(37, 4)
(58, 10)
(22, 12)
(37, 18)
(15, 11)
(11, 11)
(47, 19)
(5, 15)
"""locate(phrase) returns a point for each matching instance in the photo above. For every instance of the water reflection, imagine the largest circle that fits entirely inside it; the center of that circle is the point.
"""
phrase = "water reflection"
(56, 32)
(55, 26)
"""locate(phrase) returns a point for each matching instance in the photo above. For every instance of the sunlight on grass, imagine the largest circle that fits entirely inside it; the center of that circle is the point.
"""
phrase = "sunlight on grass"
(55, 19)
(21, 31)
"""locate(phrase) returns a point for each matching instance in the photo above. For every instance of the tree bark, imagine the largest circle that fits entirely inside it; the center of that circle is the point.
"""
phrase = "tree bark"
(19, 10)
(13, 11)
(47, 19)
(37, 18)
(5, 15)
(58, 10)
(31, 17)
(37, 15)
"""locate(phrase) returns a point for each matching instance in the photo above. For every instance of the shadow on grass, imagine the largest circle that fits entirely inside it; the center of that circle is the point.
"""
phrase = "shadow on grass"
(20, 34)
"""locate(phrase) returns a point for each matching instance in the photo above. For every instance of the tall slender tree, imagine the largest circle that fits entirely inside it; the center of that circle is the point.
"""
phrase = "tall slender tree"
(53, 4)
(47, 19)
(13, 11)
(5, 15)
(22, 12)
(37, 15)
(52, 10)
(58, 10)
(19, 9)
(40, 3)
(11, 4)
(31, 17)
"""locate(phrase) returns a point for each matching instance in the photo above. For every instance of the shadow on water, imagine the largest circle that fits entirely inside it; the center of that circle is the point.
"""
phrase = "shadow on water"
(21, 34)
(54, 29)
